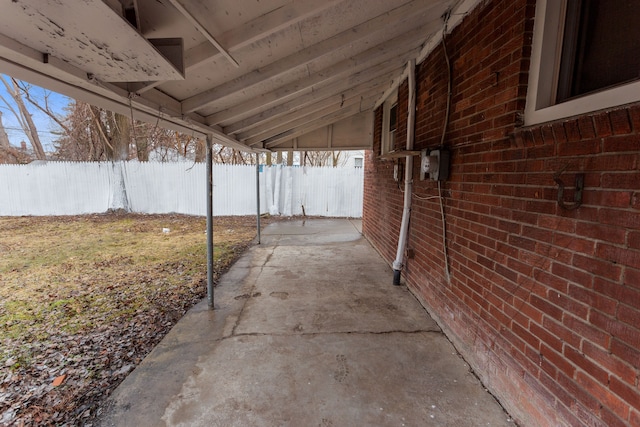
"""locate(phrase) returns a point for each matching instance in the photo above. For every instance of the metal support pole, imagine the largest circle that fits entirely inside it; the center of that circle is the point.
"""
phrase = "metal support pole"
(258, 194)
(210, 221)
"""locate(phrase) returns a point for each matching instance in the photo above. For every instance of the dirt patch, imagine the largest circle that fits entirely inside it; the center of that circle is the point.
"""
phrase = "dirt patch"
(84, 298)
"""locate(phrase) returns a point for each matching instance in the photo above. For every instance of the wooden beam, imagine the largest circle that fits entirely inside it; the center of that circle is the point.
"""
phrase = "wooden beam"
(12, 50)
(302, 117)
(391, 24)
(310, 112)
(191, 17)
(394, 52)
(461, 10)
(332, 94)
(277, 140)
(258, 29)
(313, 121)
(61, 77)
(432, 41)
(397, 154)
(93, 94)
(394, 85)
(254, 30)
(287, 145)
(81, 33)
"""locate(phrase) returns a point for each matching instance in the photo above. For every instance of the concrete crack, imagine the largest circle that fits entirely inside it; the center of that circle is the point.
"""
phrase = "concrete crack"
(286, 334)
(251, 291)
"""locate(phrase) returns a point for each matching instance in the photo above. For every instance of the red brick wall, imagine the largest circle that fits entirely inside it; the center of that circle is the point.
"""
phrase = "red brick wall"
(543, 302)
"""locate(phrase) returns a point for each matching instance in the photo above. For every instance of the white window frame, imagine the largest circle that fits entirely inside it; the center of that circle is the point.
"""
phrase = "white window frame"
(545, 63)
(388, 137)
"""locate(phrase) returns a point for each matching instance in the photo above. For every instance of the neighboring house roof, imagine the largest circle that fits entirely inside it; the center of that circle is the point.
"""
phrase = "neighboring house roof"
(268, 74)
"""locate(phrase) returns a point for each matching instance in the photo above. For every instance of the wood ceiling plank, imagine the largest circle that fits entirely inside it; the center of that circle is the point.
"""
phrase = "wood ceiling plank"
(391, 23)
(332, 95)
(394, 52)
(258, 29)
(306, 118)
(316, 124)
(291, 109)
(185, 8)
(300, 117)
(284, 129)
(351, 133)
(242, 36)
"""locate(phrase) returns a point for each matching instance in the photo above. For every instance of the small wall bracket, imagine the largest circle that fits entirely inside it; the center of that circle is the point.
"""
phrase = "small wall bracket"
(577, 196)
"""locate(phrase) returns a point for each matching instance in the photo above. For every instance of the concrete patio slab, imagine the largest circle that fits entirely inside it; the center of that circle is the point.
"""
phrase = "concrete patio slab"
(307, 331)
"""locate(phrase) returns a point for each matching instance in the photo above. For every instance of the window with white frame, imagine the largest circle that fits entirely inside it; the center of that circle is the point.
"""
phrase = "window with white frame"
(585, 57)
(389, 122)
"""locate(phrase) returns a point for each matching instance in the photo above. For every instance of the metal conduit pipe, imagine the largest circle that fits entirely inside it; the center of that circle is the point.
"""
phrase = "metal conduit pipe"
(408, 174)
(210, 221)
(258, 195)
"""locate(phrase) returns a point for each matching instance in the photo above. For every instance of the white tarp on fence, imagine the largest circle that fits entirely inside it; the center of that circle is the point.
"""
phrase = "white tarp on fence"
(62, 188)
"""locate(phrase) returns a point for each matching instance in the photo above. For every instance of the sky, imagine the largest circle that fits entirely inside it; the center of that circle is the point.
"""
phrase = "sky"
(45, 125)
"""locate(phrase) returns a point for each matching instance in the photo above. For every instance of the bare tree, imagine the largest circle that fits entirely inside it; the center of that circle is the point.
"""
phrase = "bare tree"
(201, 150)
(8, 153)
(93, 134)
(4, 138)
(83, 139)
(119, 128)
(96, 134)
(23, 116)
(336, 158)
(46, 108)
(90, 133)
(323, 158)
(231, 156)
(317, 158)
(114, 131)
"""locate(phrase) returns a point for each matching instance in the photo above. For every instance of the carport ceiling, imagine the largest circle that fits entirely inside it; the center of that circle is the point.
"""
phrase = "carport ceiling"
(257, 74)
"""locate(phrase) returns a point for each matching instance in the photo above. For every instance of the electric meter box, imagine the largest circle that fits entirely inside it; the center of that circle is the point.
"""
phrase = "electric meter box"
(435, 164)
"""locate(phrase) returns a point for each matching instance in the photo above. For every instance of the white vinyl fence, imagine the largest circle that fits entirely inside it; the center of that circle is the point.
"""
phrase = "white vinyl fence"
(62, 188)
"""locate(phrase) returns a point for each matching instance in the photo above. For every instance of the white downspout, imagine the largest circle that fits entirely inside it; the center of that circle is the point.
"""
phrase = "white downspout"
(408, 173)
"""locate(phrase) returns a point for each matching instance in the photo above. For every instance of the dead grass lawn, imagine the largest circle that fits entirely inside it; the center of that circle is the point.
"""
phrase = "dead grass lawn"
(83, 299)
